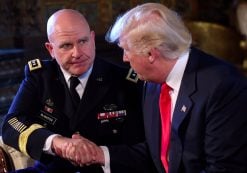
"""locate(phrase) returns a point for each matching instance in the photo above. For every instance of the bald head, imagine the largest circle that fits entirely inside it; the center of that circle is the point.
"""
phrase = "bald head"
(65, 20)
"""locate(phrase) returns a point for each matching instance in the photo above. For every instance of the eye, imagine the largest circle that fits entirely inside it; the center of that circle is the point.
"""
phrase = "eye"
(66, 46)
(83, 41)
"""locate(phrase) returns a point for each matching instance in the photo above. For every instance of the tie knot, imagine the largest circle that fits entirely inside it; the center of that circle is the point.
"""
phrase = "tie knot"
(165, 88)
(74, 81)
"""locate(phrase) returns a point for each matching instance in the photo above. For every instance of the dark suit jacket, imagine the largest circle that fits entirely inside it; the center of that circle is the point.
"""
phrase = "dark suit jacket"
(44, 98)
(209, 123)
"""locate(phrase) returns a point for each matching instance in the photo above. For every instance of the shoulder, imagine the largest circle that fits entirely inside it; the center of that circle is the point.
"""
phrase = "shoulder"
(211, 66)
(222, 75)
(34, 64)
(115, 70)
(37, 65)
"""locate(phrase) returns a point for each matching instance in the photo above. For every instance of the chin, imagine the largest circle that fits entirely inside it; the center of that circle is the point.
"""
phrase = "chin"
(76, 73)
(79, 70)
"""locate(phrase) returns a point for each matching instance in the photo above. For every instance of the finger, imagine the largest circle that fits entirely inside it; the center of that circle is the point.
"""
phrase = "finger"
(77, 136)
(83, 154)
(70, 150)
(63, 149)
(91, 152)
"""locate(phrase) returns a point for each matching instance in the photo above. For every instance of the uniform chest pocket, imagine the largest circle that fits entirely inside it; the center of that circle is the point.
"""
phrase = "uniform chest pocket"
(111, 123)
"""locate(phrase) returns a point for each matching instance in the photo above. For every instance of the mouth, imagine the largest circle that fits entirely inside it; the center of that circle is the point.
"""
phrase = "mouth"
(79, 62)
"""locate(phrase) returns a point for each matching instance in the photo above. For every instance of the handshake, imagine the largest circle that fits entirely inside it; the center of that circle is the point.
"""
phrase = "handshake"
(78, 150)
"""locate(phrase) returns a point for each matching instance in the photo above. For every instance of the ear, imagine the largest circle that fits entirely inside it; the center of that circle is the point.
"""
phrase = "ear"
(153, 55)
(49, 47)
(92, 38)
(92, 33)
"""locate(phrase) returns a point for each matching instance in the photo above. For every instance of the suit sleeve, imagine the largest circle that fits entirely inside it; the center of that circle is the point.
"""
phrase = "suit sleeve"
(226, 126)
(135, 158)
(20, 128)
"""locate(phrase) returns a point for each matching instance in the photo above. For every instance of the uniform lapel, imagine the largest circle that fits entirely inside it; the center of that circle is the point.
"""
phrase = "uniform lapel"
(96, 89)
(61, 95)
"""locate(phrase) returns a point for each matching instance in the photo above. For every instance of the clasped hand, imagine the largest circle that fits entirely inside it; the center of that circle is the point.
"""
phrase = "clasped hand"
(78, 150)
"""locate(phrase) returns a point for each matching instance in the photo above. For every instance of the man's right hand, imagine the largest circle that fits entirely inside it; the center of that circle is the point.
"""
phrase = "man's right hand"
(78, 150)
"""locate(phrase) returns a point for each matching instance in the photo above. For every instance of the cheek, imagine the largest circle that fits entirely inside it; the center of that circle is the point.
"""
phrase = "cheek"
(140, 65)
(136, 64)
(90, 50)
(62, 58)
(136, 60)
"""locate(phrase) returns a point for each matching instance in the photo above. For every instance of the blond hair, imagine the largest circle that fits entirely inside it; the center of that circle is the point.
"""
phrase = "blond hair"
(152, 25)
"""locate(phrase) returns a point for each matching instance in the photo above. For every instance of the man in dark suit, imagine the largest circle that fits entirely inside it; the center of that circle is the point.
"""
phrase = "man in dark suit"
(48, 123)
(206, 114)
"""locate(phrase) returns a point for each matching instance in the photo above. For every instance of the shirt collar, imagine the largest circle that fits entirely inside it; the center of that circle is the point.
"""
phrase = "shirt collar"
(82, 78)
(175, 76)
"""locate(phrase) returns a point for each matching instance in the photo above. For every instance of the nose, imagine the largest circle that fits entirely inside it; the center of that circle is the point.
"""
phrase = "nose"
(76, 51)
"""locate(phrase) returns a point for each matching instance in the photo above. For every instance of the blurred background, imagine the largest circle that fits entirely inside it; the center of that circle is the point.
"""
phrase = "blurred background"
(218, 27)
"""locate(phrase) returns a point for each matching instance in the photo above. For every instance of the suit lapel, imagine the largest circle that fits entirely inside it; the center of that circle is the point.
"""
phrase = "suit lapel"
(181, 112)
(152, 121)
(187, 88)
(183, 105)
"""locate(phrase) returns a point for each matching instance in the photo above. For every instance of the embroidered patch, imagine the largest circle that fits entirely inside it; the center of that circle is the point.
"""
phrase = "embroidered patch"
(34, 64)
(132, 76)
(47, 117)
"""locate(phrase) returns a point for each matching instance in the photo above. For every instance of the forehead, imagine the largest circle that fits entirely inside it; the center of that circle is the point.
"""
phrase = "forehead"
(67, 23)
(67, 33)
(71, 30)
(70, 24)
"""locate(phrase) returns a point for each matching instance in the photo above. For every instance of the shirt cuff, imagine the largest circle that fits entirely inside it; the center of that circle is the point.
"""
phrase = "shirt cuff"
(47, 147)
(106, 168)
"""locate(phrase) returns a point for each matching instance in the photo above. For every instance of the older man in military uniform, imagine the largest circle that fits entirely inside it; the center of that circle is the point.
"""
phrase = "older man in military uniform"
(68, 106)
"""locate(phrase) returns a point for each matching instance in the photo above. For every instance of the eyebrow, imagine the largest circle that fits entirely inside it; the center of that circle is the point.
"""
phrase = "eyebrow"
(84, 38)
